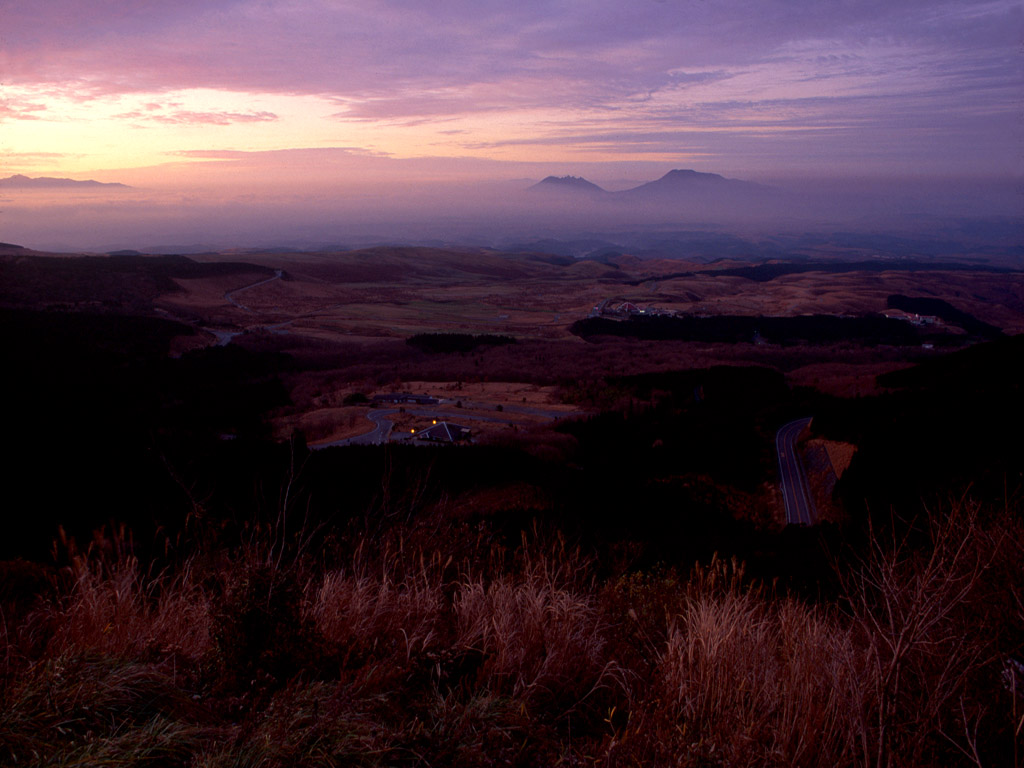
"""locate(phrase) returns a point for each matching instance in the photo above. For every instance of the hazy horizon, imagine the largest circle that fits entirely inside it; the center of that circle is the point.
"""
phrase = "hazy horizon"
(246, 124)
(489, 213)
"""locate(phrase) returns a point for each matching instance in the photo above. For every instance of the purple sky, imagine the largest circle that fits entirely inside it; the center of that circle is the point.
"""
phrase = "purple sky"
(216, 96)
(762, 86)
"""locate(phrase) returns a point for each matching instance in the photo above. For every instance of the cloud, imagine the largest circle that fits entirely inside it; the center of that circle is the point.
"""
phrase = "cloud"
(317, 154)
(15, 161)
(538, 69)
(577, 52)
(20, 109)
(185, 117)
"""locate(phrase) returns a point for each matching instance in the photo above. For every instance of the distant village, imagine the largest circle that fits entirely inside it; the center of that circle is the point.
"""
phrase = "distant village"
(912, 317)
(616, 309)
(438, 431)
(625, 309)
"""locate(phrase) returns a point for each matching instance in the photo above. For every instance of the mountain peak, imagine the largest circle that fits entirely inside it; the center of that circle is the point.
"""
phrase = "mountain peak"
(574, 183)
(688, 175)
(695, 188)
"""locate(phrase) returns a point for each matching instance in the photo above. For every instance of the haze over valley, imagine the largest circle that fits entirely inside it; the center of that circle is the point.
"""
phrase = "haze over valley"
(526, 384)
(83, 215)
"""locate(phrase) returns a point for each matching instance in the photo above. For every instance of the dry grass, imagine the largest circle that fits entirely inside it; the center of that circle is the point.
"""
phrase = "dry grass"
(400, 292)
(404, 657)
(749, 681)
(539, 642)
(366, 613)
(119, 612)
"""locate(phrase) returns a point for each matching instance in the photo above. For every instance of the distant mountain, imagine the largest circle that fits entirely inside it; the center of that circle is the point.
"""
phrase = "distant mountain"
(697, 191)
(48, 182)
(684, 184)
(568, 184)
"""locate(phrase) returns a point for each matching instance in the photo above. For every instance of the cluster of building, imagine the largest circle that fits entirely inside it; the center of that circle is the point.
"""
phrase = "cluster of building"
(438, 432)
(912, 317)
(395, 398)
(626, 309)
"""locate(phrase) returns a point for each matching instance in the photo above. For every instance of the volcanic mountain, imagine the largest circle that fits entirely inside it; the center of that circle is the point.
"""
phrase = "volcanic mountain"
(680, 193)
(568, 185)
(686, 183)
(674, 187)
(48, 182)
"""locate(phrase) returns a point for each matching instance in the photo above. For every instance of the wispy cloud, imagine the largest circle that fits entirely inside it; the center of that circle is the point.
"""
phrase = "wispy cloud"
(187, 117)
(524, 74)
(296, 152)
(20, 109)
(29, 160)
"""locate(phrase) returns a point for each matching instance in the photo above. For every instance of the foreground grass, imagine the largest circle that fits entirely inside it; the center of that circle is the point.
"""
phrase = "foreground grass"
(264, 655)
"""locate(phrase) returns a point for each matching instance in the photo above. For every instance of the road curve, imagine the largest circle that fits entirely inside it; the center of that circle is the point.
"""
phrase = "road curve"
(796, 492)
(230, 295)
(380, 433)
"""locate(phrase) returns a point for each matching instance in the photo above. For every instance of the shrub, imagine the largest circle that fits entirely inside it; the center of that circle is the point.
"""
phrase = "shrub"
(261, 638)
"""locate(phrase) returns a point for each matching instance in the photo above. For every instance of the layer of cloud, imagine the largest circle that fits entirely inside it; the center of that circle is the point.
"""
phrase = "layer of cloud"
(190, 117)
(561, 52)
(20, 109)
(583, 75)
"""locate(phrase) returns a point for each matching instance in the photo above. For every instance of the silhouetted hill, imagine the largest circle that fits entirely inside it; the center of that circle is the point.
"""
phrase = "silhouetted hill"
(684, 184)
(574, 185)
(18, 181)
(103, 283)
(696, 193)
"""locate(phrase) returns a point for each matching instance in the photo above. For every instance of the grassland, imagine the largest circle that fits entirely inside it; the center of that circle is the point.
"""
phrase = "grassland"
(602, 578)
(344, 316)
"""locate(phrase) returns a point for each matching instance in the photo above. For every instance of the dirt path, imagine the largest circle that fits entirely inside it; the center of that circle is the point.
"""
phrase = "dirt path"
(230, 295)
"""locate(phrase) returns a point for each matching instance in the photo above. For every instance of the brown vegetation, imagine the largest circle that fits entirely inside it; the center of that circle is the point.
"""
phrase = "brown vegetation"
(386, 653)
(425, 633)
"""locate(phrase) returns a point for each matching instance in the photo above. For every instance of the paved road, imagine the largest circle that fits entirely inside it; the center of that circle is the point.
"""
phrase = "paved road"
(796, 493)
(380, 433)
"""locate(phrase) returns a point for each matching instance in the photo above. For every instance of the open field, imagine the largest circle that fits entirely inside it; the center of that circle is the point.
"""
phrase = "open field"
(343, 319)
(354, 302)
(583, 583)
(398, 292)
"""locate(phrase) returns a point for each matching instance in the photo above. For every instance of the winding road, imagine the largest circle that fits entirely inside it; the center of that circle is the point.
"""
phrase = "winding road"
(796, 492)
(225, 337)
(380, 433)
(230, 295)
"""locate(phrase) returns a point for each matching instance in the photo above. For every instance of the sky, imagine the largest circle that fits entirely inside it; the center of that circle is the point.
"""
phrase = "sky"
(207, 95)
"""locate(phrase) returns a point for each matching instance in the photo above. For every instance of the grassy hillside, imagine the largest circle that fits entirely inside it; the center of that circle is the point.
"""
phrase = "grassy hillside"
(601, 578)
(437, 645)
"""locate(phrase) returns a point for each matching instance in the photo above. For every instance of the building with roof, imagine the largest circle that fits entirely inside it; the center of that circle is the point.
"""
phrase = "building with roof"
(405, 397)
(444, 432)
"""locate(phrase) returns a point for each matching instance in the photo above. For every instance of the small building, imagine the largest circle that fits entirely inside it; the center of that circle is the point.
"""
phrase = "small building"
(911, 317)
(444, 432)
(405, 397)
